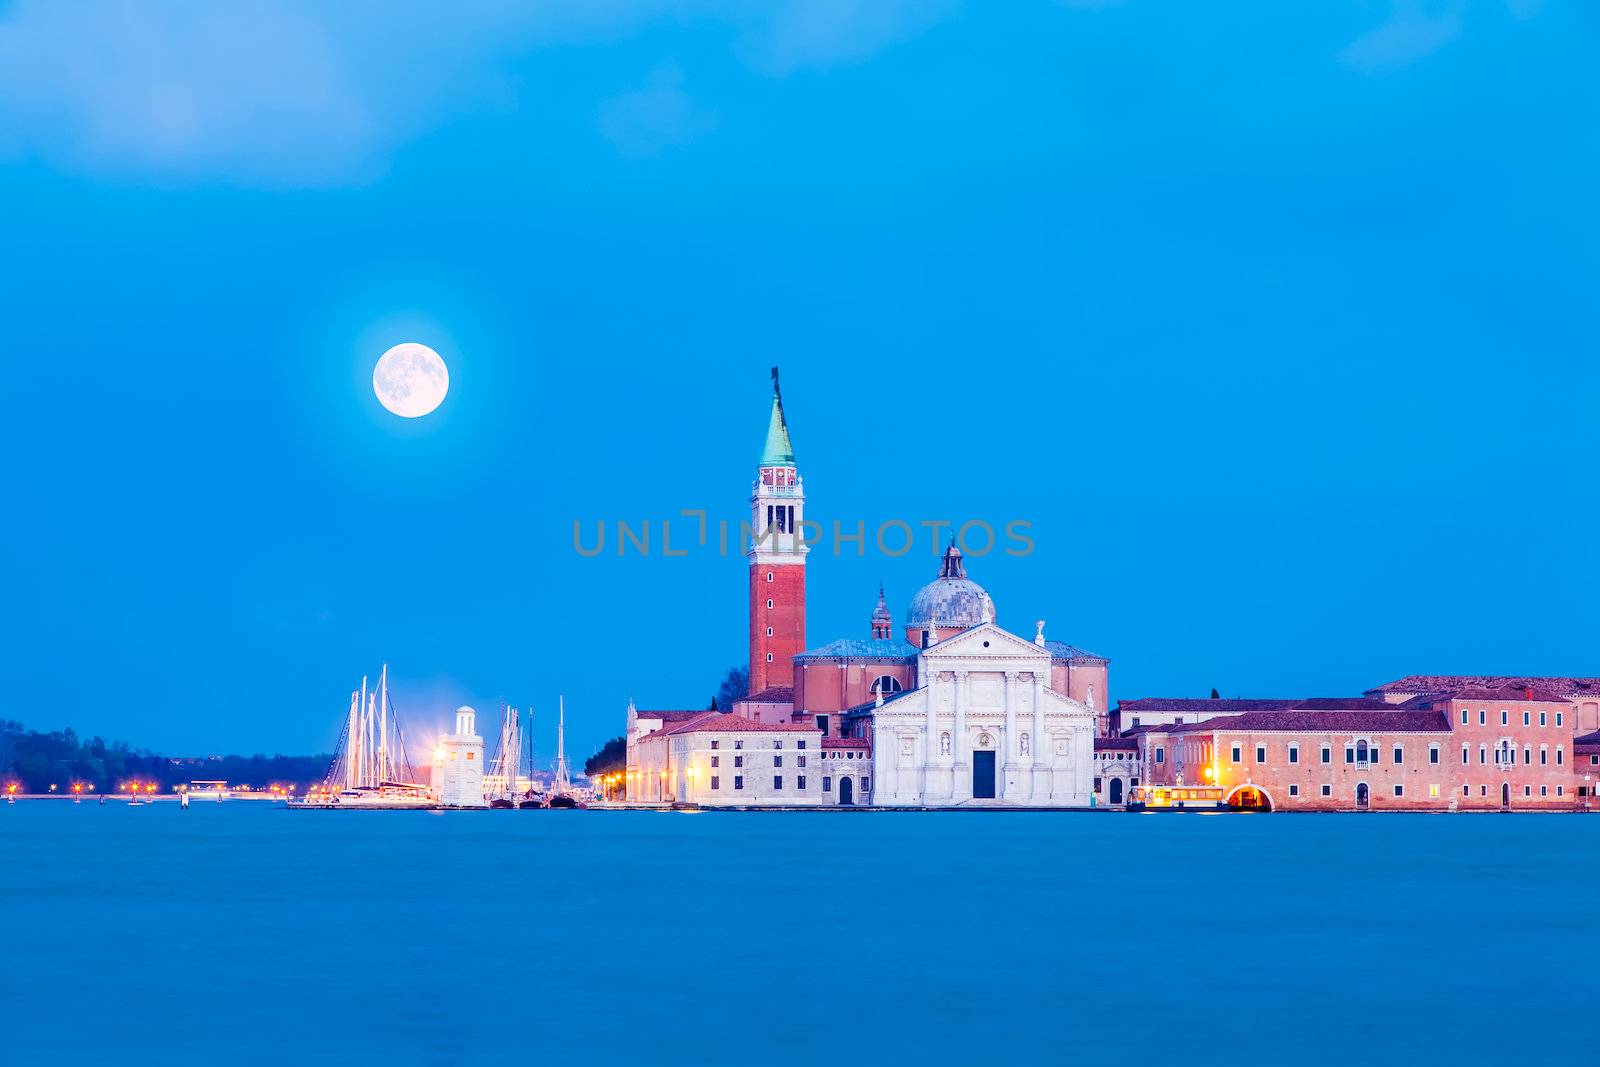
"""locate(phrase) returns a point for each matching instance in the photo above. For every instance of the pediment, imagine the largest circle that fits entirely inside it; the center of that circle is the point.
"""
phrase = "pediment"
(985, 641)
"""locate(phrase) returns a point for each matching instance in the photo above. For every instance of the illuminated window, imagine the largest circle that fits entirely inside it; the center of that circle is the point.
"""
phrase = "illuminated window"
(1433, 792)
(471, 754)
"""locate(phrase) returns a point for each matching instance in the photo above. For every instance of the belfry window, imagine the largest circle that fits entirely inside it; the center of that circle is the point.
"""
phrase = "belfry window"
(886, 684)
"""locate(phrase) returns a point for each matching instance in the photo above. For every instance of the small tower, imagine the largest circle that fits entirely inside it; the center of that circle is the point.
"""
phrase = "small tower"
(882, 624)
(460, 764)
(777, 558)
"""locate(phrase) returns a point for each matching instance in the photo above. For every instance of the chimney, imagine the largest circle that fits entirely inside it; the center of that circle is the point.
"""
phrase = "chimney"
(1530, 692)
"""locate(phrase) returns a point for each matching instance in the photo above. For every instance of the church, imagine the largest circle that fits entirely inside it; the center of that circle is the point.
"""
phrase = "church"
(951, 711)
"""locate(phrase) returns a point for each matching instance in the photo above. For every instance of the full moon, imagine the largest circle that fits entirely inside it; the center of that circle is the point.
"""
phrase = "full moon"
(410, 380)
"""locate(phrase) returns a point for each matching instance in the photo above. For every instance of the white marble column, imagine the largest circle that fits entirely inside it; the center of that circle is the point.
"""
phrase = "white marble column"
(1008, 769)
(960, 772)
(1041, 755)
(930, 740)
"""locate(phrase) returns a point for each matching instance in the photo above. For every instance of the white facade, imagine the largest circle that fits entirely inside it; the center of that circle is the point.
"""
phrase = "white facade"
(985, 713)
(459, 764)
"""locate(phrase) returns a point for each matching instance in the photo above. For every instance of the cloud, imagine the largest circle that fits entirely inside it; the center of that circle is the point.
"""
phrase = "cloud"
(644, 122)
(1413, 31)
(304, 92)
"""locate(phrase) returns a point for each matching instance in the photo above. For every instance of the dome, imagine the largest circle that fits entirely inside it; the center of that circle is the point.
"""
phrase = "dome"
(951, 601)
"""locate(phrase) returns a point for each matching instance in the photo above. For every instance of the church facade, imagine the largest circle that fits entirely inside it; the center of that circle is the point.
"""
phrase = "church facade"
(953, 711)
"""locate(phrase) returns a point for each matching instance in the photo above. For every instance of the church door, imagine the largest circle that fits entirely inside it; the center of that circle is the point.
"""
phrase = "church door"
(1116, 790)
(846, 788)
(983, 775)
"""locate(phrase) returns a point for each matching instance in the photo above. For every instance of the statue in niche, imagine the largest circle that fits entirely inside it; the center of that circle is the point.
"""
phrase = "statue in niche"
(907, 746)
(1023, 744)
(984, 740)
(944, 744)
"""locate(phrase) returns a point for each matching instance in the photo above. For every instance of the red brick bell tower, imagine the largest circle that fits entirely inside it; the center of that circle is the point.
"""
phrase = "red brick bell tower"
(777, 559)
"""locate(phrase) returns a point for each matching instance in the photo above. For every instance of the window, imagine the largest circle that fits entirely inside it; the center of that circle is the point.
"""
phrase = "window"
(1466, 754)
(769, 576)
(1483, 755)
(800, 782)
(715, 743)
(1466, 790)
(1294, 753)
(1327, 753)
(886, 684)
(1558, 718)
(738, 761)
(1483, 790)
(769, 631)
(716, 761)
(1236, 756)
(777, 781)
(1559, 756)
(769, 657)
(1544, 790)
(769, 604)
(801, 762)
(738, 781)
(1558, 790)
(827, 784)
(777, 744)
(1136, 720)
(1372, 752)
(1527, 790)
(716, 782)
(1541, 718)
(1161, 755)
(1433, 754)
(1261, 753)
(1399, 790)
(866, 784)
(1399, 754)
(1349, 753)
(1464, 714)
(738, 744)
(822, 724)
(1544, 755)
(1097, 783)
(1327, 790)
(1527, 755)
(1433, 792)
(1505, 718)
(801, 744)
(1294, 790)
(777, 761)
(1483, 717)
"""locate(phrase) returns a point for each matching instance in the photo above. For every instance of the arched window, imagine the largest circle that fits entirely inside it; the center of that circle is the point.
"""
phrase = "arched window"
(886, 684)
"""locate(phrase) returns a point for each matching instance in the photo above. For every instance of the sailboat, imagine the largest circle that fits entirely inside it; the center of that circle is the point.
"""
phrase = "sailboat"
(370, 768)
(534, 797)
(508, 761)
(561, 795)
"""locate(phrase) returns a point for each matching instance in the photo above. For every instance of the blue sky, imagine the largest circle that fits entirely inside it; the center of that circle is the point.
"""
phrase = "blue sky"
(1276, 321)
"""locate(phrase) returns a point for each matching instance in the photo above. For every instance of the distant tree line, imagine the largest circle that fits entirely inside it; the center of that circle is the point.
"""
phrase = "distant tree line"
(35, 761)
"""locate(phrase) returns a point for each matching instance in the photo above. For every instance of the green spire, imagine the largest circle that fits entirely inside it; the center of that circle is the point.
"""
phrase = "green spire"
(778, 452)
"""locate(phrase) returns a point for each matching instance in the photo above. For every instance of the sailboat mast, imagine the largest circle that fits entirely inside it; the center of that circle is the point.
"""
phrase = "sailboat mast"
(352, 745)
(361, 763)
(385, 772)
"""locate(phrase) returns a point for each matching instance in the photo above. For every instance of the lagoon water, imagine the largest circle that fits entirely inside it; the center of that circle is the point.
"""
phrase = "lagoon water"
(275, 937)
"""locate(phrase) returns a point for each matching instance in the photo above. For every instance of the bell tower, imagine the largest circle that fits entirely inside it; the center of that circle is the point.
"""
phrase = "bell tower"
(777, 557)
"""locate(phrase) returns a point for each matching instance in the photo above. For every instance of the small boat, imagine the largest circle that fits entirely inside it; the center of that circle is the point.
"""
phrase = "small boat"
(561, 794)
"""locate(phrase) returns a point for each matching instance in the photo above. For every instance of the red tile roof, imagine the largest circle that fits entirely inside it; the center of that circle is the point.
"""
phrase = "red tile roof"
(1394, 720)
(1450, 683)
(1214, 707)
(668, 716)
(846, 742)
(1233, 707)
(1587, 740)
(1521, 695)
(1117, 744)
(727, 722)
(773, 694)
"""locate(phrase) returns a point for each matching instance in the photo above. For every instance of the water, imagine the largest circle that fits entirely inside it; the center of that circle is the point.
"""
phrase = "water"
(278, 937)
